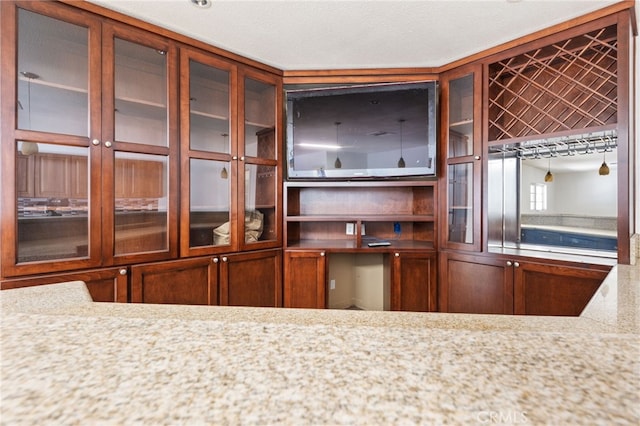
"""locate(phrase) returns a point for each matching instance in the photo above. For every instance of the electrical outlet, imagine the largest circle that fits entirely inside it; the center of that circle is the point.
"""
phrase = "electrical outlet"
(332, 285)
(396, 227)
(350, 228)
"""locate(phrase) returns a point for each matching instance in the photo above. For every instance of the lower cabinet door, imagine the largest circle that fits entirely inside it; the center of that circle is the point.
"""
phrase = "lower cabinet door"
(305, 279)
(541, 289)
(475, 284)
(251, 278)
(413, 282)
(184, 282)
(104, 285)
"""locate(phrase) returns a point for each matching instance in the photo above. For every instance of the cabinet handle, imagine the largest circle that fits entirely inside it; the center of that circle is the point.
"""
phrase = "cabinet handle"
(477, 157)
(215, 260)
(95, 142)
(516, 264)
(123, 271)
(321, 254)
(224, 258)
(107, 144)
(509, 263)
(397, 254)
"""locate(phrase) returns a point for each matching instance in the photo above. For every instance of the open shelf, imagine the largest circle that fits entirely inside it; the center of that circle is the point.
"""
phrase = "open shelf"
(348, 215)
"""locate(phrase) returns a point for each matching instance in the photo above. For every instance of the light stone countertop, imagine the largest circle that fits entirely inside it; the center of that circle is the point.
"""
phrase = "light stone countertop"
(68, 360)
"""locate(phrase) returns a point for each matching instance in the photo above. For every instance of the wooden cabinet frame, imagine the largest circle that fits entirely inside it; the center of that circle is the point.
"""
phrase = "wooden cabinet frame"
(474, 159)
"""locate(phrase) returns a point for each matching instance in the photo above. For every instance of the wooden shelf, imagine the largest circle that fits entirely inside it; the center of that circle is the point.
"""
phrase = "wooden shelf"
(54, 85)
(361, 218)
(569, 85)
(351, 245)
(317, 213)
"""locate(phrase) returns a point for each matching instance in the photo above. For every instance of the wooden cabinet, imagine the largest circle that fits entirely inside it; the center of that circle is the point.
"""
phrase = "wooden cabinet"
(100, 142)
(251, 278)
(305, 279)
(231, 167)
(104, 285)
(185, 281)
(79, 172)
(240, 279)
(462, 166)
(52, 176)
(25, 176)
(474, 284)
(139, 179)
(411, 278)
(414, 281)
(327, 218)
(513, 285)
(98, 117)
(543, 289)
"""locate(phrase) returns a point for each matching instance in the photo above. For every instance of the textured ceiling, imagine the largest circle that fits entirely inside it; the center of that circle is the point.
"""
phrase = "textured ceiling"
(343, 34)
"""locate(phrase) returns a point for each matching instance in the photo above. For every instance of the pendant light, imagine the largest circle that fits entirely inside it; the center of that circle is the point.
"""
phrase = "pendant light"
(224, 174)
(337, 164)
(549, 176)
(401, 163)
(604, 168)
(29, 148)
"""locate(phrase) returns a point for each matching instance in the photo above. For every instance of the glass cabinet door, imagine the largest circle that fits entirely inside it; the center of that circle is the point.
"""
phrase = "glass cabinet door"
(462, 162)
(137, 143)
(52, 202)
(53, 208)
(208, 142)
(260, 162)
(53, 75)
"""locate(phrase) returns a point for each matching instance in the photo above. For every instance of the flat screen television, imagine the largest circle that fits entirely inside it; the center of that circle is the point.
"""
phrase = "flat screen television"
(361, 131)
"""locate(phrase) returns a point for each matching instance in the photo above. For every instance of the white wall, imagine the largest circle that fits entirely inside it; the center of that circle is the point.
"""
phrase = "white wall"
(577, 193)
(359, 281)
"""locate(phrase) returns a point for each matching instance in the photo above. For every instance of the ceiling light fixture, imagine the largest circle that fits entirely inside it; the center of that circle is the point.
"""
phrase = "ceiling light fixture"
(549, 176)
(203, 4)
(29, 148)
(604, 168)
(319, 145)
(337, 164)
(401, 163)
(223, 173)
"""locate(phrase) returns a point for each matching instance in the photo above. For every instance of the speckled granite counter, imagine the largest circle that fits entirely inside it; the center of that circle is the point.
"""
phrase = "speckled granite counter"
(67, 360)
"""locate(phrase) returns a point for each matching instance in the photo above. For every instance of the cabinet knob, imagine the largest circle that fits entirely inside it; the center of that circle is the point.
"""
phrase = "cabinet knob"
(95, 142)
(215, 260)
(477, 157)
(321, 254)
(108, 144)
(396, 254)
(242, 158)
(123, 271)
(224, 258)
(516, 264)
(235, 157)
(509, 263)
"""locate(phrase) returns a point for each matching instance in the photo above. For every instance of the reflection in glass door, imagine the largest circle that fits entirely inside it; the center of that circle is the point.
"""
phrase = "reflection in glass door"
(52, 202)
(461, 162)
(260, 169)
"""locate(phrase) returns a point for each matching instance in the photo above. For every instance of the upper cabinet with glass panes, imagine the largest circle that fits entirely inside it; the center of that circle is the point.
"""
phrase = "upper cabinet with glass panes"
(53, 75)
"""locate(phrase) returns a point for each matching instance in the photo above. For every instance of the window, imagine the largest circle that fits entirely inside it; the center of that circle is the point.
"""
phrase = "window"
(538, 196)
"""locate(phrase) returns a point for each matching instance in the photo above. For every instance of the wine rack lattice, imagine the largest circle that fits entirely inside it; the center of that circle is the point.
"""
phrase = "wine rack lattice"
(568, 85)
